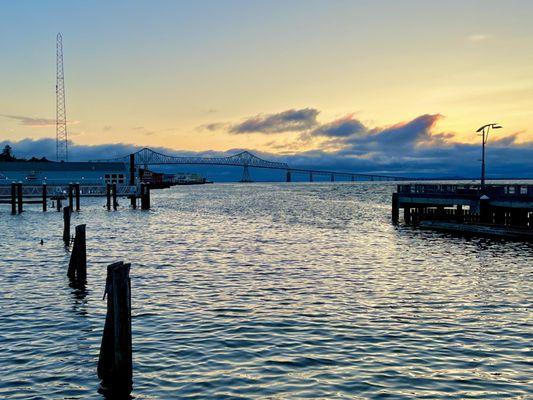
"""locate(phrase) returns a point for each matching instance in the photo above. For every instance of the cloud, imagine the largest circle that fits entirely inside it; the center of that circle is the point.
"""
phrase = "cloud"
(410, 148)
(286, 121)
(35, 122)
(107, 128)
(479, 37)
(215, 126)
(30, 121)
(342, 127)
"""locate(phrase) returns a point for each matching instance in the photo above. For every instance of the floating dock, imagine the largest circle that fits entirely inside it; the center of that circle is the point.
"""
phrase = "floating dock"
(488, 210)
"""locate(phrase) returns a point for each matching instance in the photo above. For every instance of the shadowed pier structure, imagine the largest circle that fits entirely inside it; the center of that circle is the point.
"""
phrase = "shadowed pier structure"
(493, 210)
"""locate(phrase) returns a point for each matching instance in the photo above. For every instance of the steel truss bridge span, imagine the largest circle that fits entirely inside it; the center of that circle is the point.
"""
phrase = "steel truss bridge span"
(245, 159)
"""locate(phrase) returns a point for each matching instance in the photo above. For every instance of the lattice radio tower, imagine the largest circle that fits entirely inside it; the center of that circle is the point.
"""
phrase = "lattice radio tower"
(61, 112)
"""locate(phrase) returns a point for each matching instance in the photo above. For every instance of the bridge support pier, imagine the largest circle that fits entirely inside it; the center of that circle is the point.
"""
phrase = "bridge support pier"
(289, 176)
(353, 178)
(246, 177)
(310, 177)
(332, 177)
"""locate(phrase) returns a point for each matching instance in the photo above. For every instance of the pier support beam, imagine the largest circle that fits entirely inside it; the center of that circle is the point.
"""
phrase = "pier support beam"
(77, 194)
(145, 196)
(395, 208)
(108, 196)
(132, 169)
(44, 195)
(66, 225)
(13, 198)
(77, 267)
(71, 196)
(19, 198)
(460, 214)
(406, 214)
(115, 360)
(115, 202)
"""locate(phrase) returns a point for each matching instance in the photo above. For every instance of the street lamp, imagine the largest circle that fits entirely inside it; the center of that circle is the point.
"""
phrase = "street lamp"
(485, 129)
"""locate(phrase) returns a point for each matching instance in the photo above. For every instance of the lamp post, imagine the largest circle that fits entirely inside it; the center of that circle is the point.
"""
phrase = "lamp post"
(485, 129)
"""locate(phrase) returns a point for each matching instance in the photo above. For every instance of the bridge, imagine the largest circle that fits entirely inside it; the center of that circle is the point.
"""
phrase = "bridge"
(246, 160)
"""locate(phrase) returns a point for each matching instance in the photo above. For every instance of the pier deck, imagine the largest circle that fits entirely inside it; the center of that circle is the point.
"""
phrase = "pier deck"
(492, 208)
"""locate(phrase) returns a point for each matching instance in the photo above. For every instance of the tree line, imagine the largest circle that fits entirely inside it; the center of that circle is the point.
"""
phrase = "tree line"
(7, 156)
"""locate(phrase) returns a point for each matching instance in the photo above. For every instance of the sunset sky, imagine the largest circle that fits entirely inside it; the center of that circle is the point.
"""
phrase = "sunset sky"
(335, 80)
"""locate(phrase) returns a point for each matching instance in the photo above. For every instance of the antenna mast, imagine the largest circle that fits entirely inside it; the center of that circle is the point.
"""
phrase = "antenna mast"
(61, 112)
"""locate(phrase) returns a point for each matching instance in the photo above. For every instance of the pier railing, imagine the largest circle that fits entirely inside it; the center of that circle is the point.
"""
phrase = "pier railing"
(63, 190)
(511, 190)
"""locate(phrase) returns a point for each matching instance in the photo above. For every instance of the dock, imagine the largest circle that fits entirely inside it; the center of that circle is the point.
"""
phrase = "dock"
(503, 210)
(18, 194)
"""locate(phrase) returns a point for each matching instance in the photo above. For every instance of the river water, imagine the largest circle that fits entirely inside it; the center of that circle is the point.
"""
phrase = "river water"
(268, 291)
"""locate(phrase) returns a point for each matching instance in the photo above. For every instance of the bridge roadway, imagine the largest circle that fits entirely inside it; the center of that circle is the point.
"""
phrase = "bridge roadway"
(243, 159)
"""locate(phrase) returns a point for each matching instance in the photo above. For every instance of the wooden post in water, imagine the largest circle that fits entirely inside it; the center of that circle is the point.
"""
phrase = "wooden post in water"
(77, 267)
(115, 203)
(70, 196)
(77, 194)
(13, 198)
(132, 169)
(19, 197)
(108, 196)
(395, 209)
(145, 196)
(58, 204)
(115, 360)
(44, 193)
(66, 225)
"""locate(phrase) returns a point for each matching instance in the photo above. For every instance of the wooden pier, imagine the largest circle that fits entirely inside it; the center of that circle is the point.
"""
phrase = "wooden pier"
(495, 210)
(17, 194)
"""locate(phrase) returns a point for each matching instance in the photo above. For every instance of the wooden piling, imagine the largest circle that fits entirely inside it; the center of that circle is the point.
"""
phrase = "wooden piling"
(108, 196)
(133, 200)
(66, 225)
(77, 267)
(13, 198)
(44, 193)
(395, 208)
(115, 360)
(145, 196)
(114, 191)
(132, 169)
(70, 196)
(58, 204)
(77, 194)
(19, 197)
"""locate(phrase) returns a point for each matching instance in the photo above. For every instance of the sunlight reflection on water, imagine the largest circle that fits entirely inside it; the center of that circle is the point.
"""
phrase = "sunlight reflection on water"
(268, 291)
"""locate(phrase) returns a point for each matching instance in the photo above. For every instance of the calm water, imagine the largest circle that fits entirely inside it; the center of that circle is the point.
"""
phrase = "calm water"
(268, 291)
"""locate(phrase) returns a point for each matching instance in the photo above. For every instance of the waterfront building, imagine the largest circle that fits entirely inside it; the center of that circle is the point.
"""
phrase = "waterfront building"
(90, 173)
